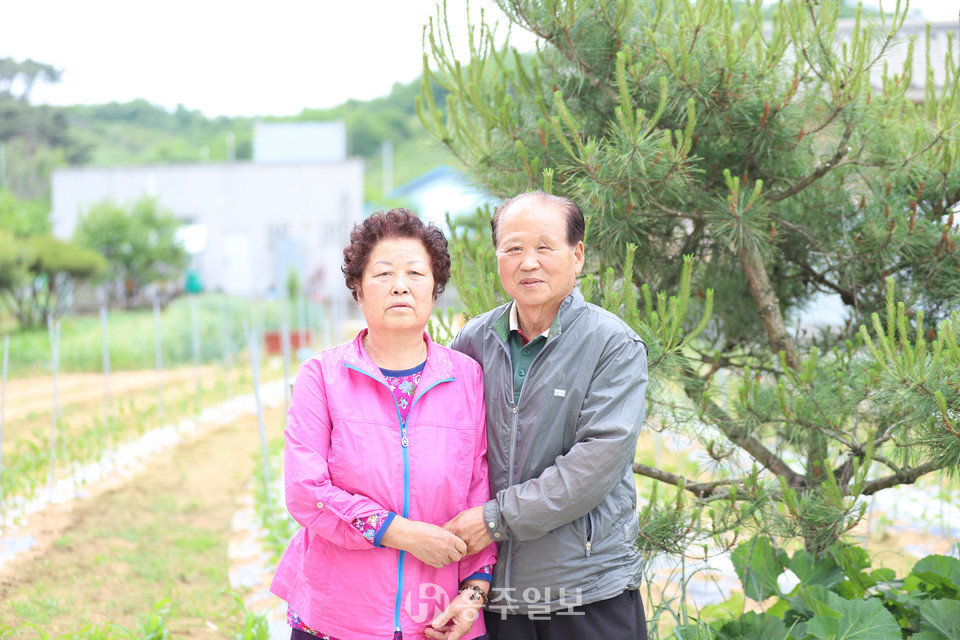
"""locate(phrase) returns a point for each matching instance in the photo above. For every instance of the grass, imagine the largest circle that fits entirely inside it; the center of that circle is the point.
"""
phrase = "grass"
(131, 339)
(38, 609)
(152, 626)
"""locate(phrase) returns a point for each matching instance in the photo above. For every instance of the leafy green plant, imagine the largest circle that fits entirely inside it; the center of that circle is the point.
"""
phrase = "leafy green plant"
(107, 631)
(839, 596)
(37, 608)
(150, 627)
(154, 625)
(255, 625)
(27, 469)
(41, 634)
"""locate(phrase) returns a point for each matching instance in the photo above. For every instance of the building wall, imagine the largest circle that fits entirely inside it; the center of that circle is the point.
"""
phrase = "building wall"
(896, 55)
(440, 191)
(259, 219)
(299, 142)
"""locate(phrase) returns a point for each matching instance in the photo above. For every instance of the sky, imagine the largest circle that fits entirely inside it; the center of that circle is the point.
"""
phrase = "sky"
(240, 58)
(224, 58)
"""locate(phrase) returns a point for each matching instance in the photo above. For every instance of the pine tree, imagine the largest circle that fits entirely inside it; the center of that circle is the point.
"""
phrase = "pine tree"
(746, 164)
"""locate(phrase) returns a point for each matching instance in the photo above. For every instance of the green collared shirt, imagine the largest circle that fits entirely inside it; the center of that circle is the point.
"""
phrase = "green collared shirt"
(521, 355)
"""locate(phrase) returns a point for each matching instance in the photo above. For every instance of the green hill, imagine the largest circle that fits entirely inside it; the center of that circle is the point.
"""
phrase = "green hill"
(37, 138)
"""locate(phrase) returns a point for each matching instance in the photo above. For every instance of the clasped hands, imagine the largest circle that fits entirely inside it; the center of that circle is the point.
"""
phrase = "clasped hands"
(463, 535)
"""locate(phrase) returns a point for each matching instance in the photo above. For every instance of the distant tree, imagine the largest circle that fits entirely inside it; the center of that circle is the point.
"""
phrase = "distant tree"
(370, 123)
(38, 273)
(38, 137)
(23, 218)
(294, 284)
(24, 74)
(17, 116)
(15, 259)
(137, 240)
(138, 132)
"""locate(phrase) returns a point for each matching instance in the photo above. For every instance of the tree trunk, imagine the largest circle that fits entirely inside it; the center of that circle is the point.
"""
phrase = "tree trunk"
(767, 303)
(769, 308)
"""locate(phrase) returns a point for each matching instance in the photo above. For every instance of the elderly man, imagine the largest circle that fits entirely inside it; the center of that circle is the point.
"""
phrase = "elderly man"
(564, 382)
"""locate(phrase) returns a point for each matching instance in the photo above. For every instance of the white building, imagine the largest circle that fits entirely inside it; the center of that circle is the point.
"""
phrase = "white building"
(249, 222)
(293, 142)
(438, 192)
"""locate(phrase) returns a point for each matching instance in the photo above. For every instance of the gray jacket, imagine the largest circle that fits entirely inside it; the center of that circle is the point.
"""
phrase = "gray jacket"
(565, 506)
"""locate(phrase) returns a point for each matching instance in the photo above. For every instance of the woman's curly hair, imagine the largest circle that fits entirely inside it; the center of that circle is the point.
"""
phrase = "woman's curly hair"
(396, 223)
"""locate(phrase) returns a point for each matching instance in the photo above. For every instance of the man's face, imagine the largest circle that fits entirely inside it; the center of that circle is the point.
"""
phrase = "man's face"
(537, 267)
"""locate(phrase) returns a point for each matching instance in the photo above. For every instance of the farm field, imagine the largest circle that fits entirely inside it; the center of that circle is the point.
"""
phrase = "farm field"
(96, 416)
(85, 391)
(154, 547)
(149, 547)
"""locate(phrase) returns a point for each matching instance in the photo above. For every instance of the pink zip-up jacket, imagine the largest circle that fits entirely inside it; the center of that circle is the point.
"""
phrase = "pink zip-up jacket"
(348, 456)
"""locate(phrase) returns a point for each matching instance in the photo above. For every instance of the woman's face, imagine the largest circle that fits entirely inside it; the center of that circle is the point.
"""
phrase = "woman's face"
(396, 291)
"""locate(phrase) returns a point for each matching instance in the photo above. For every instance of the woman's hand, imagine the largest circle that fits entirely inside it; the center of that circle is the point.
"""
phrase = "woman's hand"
(429, 543)
(457, 619)
(469, 526)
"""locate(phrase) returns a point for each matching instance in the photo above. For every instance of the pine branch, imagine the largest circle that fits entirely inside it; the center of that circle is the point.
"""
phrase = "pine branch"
(572, 55)
(677, 213)
(907, 476)
(725, 362)
(794, 227)
(844, 472)
(820, 171)
(585, 67)
(847, 296)
(699, 489)
(883, 433)
(738, 435)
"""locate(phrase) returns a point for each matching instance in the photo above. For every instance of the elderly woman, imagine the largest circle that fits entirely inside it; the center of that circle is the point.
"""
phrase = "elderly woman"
(385, 442)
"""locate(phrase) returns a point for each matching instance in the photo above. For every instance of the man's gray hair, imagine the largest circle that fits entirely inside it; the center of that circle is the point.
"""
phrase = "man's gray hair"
(576, 225)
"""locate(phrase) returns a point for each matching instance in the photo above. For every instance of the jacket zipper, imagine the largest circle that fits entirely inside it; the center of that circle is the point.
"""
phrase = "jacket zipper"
(406, 492)
(588, 533)
(513, 447)
(510, 465)
(404, 444)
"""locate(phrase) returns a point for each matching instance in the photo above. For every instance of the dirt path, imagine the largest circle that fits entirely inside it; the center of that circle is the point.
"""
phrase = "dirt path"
(160, 536)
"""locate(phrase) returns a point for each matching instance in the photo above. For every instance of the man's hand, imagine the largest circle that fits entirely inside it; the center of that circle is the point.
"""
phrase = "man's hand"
(457, 619)
(469, 526)
(428, 542)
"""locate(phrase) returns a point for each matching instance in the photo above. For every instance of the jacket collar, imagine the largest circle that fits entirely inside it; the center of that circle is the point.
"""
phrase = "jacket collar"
(438, 367)
(569, 309)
